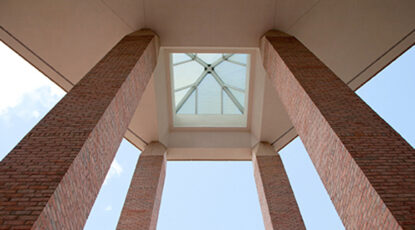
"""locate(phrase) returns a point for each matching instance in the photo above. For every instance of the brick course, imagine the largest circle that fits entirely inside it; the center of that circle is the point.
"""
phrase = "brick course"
(278, 204)
(367, 168)
(141, 207)
(51, 178)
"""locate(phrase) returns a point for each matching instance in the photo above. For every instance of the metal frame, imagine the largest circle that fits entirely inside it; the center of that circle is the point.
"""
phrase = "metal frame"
(210, 69)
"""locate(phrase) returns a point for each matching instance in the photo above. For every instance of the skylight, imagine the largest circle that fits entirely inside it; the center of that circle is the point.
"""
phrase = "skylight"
(210, 85)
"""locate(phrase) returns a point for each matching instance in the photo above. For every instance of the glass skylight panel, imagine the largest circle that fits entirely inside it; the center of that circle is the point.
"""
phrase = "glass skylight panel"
(209, 83)
(180, 58)
(240, 96)
(190, 106)
(209, 58)
(240, 58)
(186, 74)
(232, 74)
(208, 101)
(228, 106)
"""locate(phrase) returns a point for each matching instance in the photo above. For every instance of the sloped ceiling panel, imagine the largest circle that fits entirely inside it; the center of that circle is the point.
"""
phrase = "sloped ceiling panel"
(350, 36)
(60, 32)
(219, 23)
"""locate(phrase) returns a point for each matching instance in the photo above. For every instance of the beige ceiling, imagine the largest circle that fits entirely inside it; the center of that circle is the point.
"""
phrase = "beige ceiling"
(64, 39)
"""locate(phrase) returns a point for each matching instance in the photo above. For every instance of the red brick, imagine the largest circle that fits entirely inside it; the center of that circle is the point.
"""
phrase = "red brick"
(278, 204)
(367, 168)
(142, 203)
(64, 159)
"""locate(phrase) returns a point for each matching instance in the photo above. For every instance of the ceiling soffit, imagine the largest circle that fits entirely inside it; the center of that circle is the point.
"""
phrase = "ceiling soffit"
(54, 37)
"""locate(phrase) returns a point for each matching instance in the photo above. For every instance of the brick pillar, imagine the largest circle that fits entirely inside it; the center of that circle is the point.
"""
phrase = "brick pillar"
(141, 207)
(278, 204)
(51, 178)
(367, 168)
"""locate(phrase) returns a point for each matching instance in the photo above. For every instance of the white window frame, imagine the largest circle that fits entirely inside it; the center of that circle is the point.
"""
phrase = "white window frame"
(210, 120)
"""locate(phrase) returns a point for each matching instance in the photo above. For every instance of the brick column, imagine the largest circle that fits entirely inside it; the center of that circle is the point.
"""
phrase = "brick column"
(367, 168)
(141, 207)
(278, 204)
(51, 178)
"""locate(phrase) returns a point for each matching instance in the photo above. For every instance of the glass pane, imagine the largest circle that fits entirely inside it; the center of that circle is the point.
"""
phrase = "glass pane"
(178, 96)
(209, 97)
(232, 74)
(239, 96)
(209, 58)
(180, 58)
(186, 74)
(209, 101)
(228, 106)
(189, 106)
(241, 58)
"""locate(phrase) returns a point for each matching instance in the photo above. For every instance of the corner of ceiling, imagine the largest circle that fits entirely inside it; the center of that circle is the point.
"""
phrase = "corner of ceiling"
(257, 98)
(161, 94)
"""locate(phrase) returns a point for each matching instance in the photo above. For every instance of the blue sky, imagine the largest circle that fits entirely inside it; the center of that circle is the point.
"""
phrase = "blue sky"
(202, 195)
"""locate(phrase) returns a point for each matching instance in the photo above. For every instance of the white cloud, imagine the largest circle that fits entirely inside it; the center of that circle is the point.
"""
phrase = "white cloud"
(108, 208)
(115, 170)
(117, 167)
(19, 79)
(35, 114)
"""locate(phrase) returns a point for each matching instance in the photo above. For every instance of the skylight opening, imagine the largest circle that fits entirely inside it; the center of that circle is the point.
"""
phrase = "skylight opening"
(211, 85)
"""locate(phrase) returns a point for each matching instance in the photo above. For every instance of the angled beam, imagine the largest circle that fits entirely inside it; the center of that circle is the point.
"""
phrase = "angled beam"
(182, 62)
(193, 88)
(235, 62)
(224, 58)
(228, 92)
(235, 88)
(197, 59)
(184, 87)
(214, 64)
